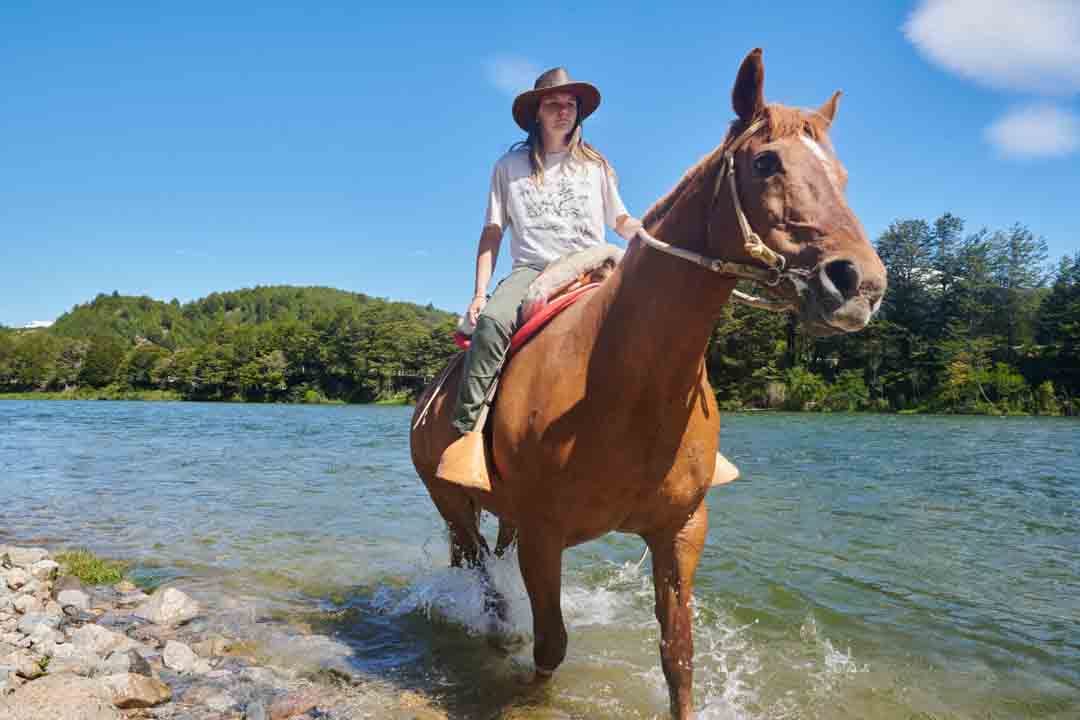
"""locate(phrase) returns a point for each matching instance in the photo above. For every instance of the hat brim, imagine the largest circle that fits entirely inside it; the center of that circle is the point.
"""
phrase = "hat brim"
(527, 103)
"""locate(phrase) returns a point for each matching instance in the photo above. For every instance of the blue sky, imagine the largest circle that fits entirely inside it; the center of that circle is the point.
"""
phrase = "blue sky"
(174, 152)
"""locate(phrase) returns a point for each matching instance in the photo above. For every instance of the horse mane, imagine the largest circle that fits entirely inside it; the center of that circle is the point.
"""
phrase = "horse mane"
(781, 121)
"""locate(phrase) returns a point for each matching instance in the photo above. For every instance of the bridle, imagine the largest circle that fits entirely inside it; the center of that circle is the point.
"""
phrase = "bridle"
(775, 269)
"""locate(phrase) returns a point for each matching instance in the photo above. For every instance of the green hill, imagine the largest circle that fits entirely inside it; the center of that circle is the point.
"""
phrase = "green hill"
(277, 343)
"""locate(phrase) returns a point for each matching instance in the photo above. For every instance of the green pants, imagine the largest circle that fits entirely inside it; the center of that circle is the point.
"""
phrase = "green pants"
(490, 341)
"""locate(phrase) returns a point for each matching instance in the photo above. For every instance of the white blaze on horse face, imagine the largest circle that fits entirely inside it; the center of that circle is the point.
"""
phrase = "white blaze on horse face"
(820, 154)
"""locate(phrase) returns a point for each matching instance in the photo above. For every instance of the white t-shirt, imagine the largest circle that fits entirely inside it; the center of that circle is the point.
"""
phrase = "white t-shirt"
(565, 214)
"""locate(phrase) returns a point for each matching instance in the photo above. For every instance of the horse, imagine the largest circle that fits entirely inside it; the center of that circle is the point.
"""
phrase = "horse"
(605, 421)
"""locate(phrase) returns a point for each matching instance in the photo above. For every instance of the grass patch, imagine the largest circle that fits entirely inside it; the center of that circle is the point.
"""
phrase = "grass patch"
(91, 569)
(399, 399)
(109, 393)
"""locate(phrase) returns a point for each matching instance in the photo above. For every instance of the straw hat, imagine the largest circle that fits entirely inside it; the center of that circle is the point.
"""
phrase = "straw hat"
(555, 80)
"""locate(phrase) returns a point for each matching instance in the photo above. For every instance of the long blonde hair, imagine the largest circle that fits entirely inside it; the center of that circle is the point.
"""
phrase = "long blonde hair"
(580, 151)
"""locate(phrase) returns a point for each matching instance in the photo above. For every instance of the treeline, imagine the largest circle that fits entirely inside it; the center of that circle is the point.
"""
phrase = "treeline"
(269, 344)
(972, 323)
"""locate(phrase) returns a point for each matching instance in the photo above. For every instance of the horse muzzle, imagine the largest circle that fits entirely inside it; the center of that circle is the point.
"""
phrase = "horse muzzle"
(840, 296)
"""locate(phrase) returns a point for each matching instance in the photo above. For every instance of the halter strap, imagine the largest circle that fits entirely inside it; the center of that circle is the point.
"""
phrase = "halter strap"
(752, 243)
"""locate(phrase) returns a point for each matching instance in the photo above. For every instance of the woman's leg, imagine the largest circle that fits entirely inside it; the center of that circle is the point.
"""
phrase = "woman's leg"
(462, 462)
(490, 341)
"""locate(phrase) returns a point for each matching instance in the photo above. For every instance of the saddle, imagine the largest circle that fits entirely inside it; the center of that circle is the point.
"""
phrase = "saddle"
(560, 285)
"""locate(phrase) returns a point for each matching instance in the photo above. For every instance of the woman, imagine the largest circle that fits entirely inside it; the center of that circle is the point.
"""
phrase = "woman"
(556, 193)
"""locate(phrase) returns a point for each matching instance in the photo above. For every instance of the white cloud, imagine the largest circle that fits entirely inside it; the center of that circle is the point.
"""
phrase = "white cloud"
(511, 74)
(34, 324)
(1035, 131)
(1027, 45)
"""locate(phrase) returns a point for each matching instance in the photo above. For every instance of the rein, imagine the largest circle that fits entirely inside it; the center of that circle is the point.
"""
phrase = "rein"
(769, 276)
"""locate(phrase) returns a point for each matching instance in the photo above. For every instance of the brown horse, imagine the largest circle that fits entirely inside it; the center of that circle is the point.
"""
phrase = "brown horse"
(606, 421)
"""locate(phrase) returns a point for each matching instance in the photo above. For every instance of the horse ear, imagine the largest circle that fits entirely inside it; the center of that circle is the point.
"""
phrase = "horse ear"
(828, 110)
(748, 95)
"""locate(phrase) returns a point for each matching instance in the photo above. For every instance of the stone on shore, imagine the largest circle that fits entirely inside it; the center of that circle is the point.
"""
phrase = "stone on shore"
(16, 578)
(98, 640)
(179, 657)
(23, 557)
(136, 691)
(77, 598)
(28, 605)
(59, 697)
(45, 569)
(168, 606)
(29, 624)
(294, 704)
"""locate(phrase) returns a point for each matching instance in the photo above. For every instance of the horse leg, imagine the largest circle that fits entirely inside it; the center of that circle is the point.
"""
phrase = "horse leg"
(467, 544)
(507, 535)
(540, 558)
(675, 560)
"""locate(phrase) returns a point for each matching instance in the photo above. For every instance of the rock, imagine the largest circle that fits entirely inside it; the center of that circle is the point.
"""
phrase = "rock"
(99, 640)
(78, 661)
(29, 623)
(28, 604)
(60, 697)
(132, 599)
(127, 661)
(16, 578)
(67, 582)
(179, 657)
(294, 704)
(168, 606)
(125, 586)
(155, 635)
(213, 646)
(23, 557)
(45, 569)
(77, 598)
(136, 691)
(23, 664)
(212, 697)
(44, 639)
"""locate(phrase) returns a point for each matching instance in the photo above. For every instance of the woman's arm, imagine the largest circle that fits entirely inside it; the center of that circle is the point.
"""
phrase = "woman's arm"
(487, 253)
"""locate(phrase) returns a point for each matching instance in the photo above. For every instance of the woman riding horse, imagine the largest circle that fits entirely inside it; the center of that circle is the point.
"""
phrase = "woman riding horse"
(556, 193)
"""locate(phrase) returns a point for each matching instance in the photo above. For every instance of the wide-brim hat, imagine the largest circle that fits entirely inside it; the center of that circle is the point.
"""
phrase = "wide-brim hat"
(555, 80)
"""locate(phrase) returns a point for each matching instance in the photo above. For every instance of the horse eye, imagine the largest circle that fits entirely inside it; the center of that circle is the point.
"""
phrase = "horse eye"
(766, 164)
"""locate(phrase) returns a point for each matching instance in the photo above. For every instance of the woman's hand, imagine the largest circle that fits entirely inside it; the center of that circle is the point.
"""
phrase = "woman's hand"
(477, 305)
(627, 227)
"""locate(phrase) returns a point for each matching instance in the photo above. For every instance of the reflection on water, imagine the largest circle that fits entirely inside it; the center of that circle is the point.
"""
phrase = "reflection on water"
(865, 566)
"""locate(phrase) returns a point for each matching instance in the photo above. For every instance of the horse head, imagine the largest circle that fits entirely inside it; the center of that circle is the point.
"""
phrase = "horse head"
(789, 185)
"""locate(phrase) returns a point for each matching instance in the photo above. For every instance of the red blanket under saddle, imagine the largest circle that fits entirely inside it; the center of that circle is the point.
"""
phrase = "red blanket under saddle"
(534, 324)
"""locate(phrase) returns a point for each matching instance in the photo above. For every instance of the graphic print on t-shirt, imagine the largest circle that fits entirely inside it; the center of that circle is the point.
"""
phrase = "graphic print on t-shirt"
(559, 206)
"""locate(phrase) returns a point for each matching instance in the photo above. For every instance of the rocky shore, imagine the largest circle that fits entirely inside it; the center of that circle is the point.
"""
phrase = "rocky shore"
(106, 652)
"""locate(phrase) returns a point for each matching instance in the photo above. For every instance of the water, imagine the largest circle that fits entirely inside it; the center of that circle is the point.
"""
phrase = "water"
(863, 567)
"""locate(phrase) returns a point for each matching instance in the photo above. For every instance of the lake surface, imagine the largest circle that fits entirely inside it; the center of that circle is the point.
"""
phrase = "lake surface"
(864, 566)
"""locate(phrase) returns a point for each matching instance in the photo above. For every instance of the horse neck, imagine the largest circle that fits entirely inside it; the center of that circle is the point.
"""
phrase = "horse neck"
(662, 309)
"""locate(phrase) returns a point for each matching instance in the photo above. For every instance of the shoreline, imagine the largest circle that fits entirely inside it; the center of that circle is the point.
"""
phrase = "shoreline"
(172, 397)
(110, 651)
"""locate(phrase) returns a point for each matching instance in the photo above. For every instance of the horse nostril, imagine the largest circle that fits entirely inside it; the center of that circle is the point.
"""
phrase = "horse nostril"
(844, 276)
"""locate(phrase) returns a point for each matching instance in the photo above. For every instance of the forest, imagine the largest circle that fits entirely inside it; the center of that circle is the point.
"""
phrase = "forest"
(973, 322)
